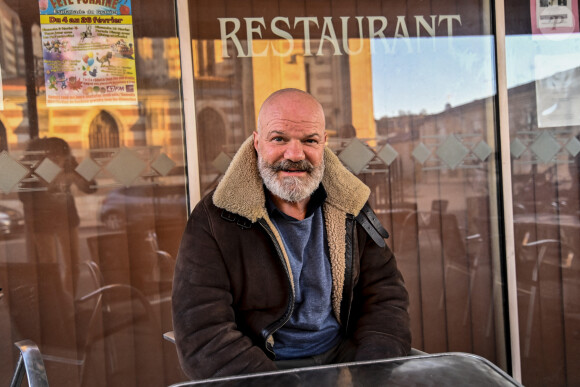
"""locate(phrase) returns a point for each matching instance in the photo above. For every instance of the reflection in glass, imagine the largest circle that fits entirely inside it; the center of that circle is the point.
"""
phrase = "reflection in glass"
(544, 80)
(50, 211)
(90, 289)
(434, 179)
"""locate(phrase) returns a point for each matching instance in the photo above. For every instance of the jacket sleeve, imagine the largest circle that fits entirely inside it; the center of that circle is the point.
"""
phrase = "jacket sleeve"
(380, 302)
(208, 341)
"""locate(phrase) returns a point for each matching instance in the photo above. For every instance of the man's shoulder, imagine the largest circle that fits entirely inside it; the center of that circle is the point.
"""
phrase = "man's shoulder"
(372, 225)
(206, 207)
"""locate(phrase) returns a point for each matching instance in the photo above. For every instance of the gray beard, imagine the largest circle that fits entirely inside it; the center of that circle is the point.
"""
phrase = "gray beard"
(292, 189)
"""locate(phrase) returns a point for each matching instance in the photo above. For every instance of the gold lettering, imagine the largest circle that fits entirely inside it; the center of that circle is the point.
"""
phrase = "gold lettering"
(449, 19)
(231, 35)
(401, 23)
(283, 34)
(282, 27)
(429, 28)
(306, 21)
(345, 38)
(332, 38)
(250, 34)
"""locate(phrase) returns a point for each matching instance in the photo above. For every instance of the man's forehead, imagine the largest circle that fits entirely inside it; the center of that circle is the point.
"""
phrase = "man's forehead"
(289, 111)
(301, 110)
(291, 122)
(283, 125)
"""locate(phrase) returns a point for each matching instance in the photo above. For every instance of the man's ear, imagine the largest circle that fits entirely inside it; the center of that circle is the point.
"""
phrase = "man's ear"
(255, 133)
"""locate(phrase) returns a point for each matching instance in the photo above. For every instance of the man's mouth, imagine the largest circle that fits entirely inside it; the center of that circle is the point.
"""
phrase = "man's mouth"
(293, 170)
(293, 166)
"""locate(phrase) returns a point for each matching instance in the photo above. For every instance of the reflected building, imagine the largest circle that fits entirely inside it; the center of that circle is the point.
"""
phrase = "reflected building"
(11, 49)
(121, 270)
(453, 146)
(230, 91)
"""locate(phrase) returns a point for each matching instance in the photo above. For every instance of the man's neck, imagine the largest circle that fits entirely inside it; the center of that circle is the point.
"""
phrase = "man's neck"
(296, 210)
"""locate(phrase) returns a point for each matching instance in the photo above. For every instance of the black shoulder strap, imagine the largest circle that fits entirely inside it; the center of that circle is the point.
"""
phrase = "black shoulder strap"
(240, 220)
(372, 225)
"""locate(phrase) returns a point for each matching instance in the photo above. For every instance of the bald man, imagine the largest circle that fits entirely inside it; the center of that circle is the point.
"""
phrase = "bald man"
(285, 265)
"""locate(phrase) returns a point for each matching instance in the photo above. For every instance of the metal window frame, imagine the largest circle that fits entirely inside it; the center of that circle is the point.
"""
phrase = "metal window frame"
(506, 189)
(188, 101)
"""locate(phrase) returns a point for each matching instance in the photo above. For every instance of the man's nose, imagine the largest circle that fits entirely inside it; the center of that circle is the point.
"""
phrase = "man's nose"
(294, 151)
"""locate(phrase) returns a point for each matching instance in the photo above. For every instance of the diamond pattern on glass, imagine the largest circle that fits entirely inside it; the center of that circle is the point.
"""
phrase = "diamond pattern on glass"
(421, 153)
(573, 146)
(517, 148)
(482, 150)
(356, 156)
(452, 151)
(222, 162)
(388, 154)
(126, 166)
(545, 147)
(11, 172)
(163, 164)
(48, 170)
(88, 169)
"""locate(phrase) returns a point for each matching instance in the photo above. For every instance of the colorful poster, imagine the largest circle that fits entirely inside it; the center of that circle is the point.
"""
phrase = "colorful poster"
(88, 52)
(554, 16)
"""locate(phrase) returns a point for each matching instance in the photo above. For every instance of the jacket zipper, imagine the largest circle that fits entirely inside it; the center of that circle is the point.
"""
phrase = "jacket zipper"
(349, 258)
(269, 331)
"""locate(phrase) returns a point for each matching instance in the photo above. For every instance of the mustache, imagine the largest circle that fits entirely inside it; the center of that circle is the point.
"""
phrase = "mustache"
(287, 165)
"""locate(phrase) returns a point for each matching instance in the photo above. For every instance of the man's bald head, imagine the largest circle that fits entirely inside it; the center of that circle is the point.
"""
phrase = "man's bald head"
(290, 145)
(286, 99)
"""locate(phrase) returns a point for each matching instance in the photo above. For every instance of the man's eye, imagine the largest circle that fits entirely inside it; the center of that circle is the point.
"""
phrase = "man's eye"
(311, 141)
(277, 139)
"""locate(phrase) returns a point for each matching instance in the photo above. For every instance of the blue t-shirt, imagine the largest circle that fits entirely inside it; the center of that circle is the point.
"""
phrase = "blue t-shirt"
(312, 328)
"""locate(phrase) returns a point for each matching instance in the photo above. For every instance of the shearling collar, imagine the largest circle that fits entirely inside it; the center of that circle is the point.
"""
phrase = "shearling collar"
(241, 190)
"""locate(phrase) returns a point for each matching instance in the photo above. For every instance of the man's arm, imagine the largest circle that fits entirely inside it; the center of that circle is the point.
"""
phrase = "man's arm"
(208, 341)
(382, 330)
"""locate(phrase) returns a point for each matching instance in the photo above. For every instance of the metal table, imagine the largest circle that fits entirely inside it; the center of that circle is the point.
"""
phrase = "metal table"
(429, 370)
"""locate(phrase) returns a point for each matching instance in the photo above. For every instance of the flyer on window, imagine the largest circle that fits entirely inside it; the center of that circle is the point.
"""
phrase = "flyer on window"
(88, 52)
(554, 16)
(558, 95)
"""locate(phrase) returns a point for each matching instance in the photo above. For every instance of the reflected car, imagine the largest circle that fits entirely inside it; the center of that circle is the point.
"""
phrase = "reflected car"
(11, 222)
(146, 206)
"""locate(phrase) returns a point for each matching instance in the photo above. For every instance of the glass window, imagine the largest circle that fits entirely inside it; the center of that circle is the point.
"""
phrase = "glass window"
(92, 195)
(408, 89)
(93, 187)
(543, 68)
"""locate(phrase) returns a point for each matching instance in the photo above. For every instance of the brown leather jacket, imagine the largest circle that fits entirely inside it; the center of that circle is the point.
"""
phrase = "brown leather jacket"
(232, 288)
